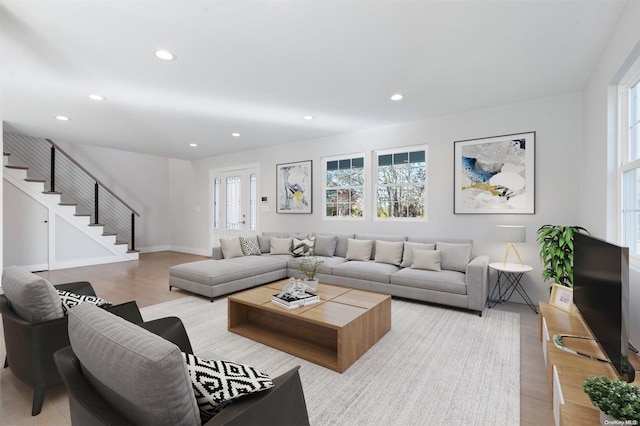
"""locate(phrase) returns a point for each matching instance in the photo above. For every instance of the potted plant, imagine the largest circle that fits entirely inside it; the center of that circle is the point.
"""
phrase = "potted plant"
(615, 398)
(556, 252)
(309, 267)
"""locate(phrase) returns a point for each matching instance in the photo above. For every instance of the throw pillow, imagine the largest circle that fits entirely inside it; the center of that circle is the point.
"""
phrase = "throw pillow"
(325, 245)
(69, 300)
(250, 246)
(455, 257)
(265, 243)
(280, 245)
(407, 257)
(389, 252)
(231, 247)
(32, 298)
(302, 247)
(216, 383)
(359, 249)
(426, 259)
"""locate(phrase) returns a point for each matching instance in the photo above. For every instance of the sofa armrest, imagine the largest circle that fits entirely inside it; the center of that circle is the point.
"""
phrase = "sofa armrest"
(171, 329)
(216, 253)
(127, 310)
(478, 282)
(283, 404)
(80, 287)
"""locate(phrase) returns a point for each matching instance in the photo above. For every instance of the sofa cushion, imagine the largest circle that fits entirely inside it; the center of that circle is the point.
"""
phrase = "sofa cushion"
(212, 272)
(407, 254)
(445, 281)
(359, 249)
(250, 246)
(32, 298)
(216, 383)
(426, 259)
(302, 246)
(69, 300)
(328, 263)
(455, 257)
(138, 373)
(389, 252)
(370, 271)
(231, 247)
(341, 242)
(280, 245)
(325, 245)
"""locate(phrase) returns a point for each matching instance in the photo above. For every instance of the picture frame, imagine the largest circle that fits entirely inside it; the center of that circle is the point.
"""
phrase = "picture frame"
(562, 297)
(294, 187)
(495, 175)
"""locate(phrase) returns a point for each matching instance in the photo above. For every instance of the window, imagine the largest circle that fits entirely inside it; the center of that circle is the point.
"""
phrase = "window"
(401, 187)
(344, 187)
(216, 203)
(629, 109)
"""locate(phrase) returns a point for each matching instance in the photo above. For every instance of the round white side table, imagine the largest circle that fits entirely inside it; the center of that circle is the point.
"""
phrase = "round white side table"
(509, 276)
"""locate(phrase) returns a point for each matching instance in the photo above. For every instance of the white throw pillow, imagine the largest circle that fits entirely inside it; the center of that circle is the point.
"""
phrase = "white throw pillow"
(455, 257)
(389, 252)
(231, 248)
(280, 245)
(359, 249)
(426, 259)
(407, 257)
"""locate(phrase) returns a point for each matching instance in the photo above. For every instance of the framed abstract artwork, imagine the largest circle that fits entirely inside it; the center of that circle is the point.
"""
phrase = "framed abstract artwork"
(293, 187)
(495, 175)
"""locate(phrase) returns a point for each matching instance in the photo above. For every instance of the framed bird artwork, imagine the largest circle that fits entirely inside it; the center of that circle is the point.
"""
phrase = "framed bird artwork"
(293, 187)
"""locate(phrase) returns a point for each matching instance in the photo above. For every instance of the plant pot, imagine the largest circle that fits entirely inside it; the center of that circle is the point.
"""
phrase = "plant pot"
(606, 419)
(312, 284)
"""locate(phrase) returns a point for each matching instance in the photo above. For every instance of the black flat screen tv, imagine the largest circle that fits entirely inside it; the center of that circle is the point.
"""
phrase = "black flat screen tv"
(601, 293)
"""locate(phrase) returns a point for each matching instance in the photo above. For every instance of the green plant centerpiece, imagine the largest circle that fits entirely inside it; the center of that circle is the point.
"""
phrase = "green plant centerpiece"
(556, 252)
(309, 266)
(620, 400)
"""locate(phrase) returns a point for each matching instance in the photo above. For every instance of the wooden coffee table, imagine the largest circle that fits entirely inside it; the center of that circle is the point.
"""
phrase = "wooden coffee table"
(333, 333)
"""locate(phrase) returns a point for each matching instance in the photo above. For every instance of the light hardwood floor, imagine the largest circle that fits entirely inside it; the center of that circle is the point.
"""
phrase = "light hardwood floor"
(147, 282)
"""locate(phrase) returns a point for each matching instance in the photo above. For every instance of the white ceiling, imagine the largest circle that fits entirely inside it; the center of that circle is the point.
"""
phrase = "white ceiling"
(257, 67)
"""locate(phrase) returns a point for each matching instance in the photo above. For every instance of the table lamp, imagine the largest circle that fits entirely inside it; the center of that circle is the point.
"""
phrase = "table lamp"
(511, 234)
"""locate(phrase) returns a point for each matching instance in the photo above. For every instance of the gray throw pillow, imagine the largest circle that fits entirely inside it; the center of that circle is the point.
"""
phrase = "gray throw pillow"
(231, 247)
(407, 256)
(32, 298)
(325, 245)
(455, 257)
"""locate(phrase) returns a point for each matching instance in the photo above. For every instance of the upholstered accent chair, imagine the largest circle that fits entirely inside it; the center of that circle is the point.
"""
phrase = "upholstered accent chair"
(35, 327)
(117, 373)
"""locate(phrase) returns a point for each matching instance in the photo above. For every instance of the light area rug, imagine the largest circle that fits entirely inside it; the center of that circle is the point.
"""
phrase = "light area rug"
(437, 366)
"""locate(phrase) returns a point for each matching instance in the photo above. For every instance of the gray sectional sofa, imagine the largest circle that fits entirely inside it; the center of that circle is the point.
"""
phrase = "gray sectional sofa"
(443, 270)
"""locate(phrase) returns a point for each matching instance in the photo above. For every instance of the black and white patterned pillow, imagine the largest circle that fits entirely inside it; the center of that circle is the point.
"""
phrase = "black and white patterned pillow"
(302, 247)
(69, 300)
(216, 383)
(250, 246)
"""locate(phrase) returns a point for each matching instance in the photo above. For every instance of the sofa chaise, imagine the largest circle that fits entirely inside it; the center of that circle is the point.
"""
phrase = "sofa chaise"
(444, 270)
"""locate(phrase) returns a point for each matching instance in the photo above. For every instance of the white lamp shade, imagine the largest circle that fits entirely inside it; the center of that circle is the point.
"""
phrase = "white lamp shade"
(511, 233)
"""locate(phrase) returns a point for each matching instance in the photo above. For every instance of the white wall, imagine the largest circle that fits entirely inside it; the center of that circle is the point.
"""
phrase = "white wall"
(598, 198)
(141, 180)
(556, 121)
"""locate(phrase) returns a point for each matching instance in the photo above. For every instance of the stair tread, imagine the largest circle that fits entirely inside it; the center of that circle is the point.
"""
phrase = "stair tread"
(121, 242)
(82, 214)
(109, 234)
(95, 224)
(6, 153)
(35, 180)
(53, 193)
(9, 166)
(133, 251)
(67, 204)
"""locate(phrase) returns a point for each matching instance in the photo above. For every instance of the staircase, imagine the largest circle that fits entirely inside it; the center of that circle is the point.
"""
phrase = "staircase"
(67, 226)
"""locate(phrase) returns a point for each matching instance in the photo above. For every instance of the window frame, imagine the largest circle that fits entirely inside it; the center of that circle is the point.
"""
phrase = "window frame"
(374, 178)
(365, 183)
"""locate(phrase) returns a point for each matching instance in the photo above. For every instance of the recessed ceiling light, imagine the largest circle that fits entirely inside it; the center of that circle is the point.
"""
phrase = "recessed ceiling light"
(396, 97)
(235, 134)
(193, 144)
(96, 97)
(62, 118)
(308, 117)
(165, 55)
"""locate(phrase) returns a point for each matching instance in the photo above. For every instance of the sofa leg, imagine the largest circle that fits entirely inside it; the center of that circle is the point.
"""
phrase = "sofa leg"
(170, 288)
(6, 362)
(38, 400)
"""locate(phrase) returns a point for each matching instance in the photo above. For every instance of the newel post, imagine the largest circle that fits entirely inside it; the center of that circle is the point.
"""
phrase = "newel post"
(52, 180)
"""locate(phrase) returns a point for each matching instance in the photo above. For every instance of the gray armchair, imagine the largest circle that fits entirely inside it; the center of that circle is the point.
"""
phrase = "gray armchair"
(31, 338)
(117, 373)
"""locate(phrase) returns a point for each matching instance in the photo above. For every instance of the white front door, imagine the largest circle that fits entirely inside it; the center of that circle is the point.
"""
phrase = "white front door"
(234, 203)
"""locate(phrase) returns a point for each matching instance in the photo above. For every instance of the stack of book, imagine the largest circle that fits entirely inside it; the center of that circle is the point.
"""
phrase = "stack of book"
(291, 302)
